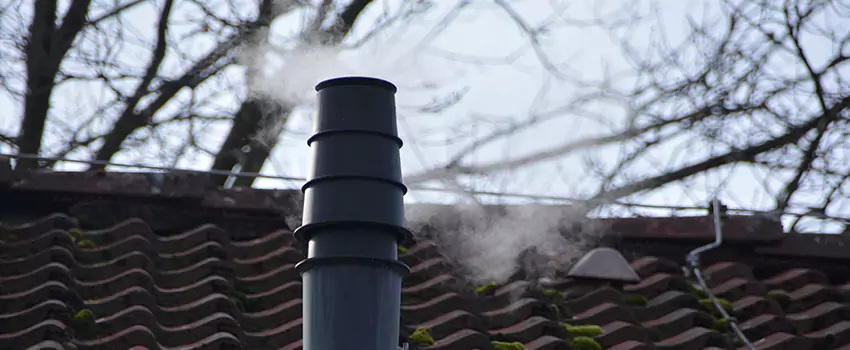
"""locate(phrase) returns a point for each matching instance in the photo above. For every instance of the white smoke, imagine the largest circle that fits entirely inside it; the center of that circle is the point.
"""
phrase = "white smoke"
(282, 81)
(291, 78)
(491, 244)
(487, 247)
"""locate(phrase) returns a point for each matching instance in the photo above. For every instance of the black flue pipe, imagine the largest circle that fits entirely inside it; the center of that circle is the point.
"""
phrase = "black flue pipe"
(353, 219)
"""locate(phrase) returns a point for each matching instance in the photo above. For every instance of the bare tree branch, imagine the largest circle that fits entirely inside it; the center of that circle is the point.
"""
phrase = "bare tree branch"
(45, 48)
(243, 145)
(533, 36)
(114, 12)
(784, 197)
(744, 155)
(217, 59)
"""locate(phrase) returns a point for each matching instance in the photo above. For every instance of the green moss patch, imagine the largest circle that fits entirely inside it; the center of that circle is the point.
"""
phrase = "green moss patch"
(83, 322)
(487, 289)
(780, 296)
(84, 316)
(554, 294)
(585, 343)
(76, 233)
(635, 300)
(698, 292)
(500, 345)
(422, 336)
(722, 325)
(407, 299)
(709, 306)
(582, 331)
(86, 243)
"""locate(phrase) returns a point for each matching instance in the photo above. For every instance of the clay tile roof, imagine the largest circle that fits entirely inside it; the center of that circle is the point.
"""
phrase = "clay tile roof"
(121, 261)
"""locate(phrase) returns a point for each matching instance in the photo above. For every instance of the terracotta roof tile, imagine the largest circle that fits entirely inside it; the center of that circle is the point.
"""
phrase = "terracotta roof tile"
(618, 332)
(766, 324)
(693, 338)
(753, 306)
(795, 278)
(782, 340)
(603, 314)
(649, 265)
(547, 342)
(665, 304)
(463, 339)
(657, 284)
(594, 299)
(205, 285)
(724, 271)
(632, 345)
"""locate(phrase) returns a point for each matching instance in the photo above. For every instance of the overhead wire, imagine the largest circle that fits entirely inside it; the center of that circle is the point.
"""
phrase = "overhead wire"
(150, 167)
(809, 212)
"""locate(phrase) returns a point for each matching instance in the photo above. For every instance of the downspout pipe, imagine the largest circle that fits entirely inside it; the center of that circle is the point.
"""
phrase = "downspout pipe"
(353, 219)
(694, 262)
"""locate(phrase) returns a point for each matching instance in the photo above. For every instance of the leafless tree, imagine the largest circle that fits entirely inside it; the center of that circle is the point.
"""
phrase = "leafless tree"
(764, 86)
(150, 82)
(158, 89)
(157, 72)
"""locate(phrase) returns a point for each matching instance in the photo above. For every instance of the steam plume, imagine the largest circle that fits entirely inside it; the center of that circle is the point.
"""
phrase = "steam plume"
(488, 245)
(493, 244)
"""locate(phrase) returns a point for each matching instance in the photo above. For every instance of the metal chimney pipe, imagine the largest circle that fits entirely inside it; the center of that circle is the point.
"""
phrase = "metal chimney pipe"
(353, 219)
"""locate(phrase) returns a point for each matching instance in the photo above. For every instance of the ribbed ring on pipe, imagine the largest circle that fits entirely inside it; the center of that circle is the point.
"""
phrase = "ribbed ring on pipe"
(303, 232)
(396, 266)
(313, 181)
(320, 134)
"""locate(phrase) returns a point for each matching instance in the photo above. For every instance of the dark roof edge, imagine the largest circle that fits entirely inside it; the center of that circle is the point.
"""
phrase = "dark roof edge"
(186, 187)
(749, 229)
(831, 246)
(765, 233)
(735, 229)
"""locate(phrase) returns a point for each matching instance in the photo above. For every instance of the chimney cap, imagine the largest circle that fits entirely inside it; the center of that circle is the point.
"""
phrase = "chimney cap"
(368, 81)
(604, 264)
